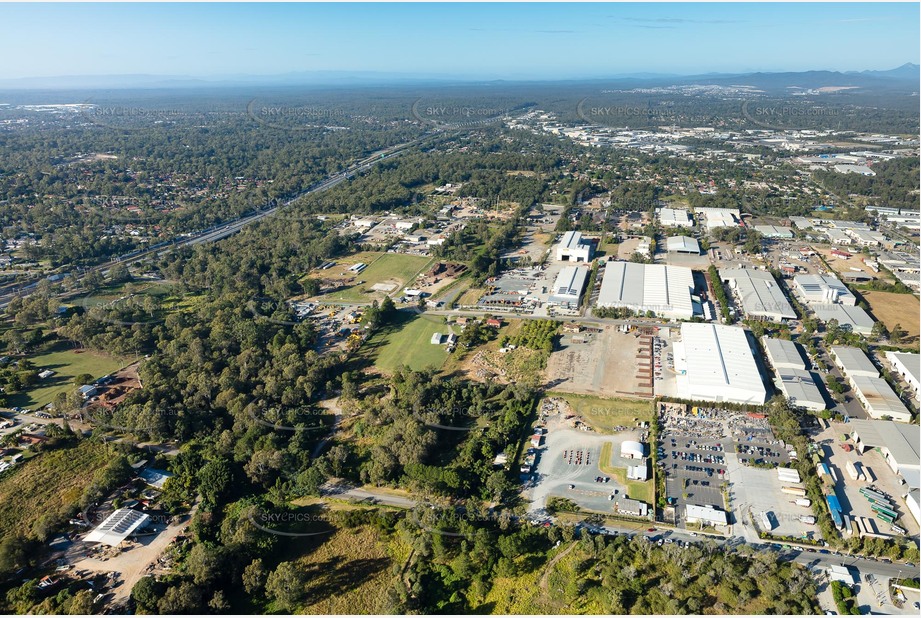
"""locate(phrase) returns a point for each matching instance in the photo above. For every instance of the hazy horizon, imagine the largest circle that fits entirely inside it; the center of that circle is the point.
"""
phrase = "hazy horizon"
(516, 42)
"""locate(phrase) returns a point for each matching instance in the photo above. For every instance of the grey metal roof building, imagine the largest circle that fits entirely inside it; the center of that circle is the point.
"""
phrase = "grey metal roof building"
(674, 217)
(682, 244)
(852, 318)
(799, 387)
(568, 286)
(774, 231)
(783, 354)
(664, 290)
(853, 361)
(898, 443)
(879, 399)
(759, 293)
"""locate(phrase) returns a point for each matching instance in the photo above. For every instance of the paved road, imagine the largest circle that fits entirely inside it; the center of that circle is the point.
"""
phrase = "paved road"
(343, 490)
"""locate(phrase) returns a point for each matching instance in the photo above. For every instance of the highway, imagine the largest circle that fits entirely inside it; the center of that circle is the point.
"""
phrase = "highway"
(23, 288)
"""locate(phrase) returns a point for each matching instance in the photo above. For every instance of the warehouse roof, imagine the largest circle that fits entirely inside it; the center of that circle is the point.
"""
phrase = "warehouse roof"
(571, 240)
(799, 386)
(819, 288)
(719, 364)
(569, 284)
(759, 293)
(879, 398)
(851, 317)
(783, 353)
(720, 217)
(774, 231)
(854, 361)
(682, 244)
(675, 217)
(900, 439)
(665, 290)
(117, 527)
(706, 513)
(911, 363)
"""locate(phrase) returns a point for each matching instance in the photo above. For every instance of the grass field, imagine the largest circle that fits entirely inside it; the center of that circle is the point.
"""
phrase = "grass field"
(105, 295)
(637, 490)
(408, 342)
(393, 268)
(51, 482)
(470, 296)
(67, 363)
(605, 414)
(892, 309)
(348, 574)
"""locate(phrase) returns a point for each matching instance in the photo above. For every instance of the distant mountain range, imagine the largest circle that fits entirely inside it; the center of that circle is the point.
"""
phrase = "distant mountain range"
(906, 77)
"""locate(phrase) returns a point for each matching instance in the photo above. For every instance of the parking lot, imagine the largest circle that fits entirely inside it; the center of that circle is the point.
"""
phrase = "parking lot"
(692, 453)
(568, 467)
(701, 451)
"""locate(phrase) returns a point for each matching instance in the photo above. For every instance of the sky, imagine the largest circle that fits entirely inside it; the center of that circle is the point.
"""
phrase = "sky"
(496, 41)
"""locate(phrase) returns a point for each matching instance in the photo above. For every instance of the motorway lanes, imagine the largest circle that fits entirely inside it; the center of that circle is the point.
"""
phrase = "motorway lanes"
(7, 293)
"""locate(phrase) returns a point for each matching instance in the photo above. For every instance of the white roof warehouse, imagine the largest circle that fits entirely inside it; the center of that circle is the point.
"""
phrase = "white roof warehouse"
(573, 248)
(664, 290)
(718, 364)
(568, 286)
(759, 294)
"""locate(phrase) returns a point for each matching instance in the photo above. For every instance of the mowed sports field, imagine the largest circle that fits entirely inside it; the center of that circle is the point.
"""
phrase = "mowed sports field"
(892, 309)
(387, 268)
(408, 342)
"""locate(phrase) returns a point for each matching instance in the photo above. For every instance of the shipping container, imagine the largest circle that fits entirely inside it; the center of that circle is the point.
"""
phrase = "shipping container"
(852, 470)
(796, 491)
(803, 502)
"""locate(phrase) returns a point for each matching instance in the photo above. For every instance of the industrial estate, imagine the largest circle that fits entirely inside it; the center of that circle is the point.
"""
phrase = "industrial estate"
(627, 346)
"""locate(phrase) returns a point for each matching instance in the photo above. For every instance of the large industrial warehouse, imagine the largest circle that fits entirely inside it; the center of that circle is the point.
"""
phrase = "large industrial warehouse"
(674, 217)
(573, 248)
(716, 363)
(682, 244)
(897, 443)
(568, 287)
(879, 400)
(719, 217)
(849, 317)
(759, 294)
(664, 290)
(783, 353)
(853, 361)
(800, 388)
(823, 289)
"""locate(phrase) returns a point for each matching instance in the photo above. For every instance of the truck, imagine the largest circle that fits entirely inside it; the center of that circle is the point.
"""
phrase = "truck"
(795, 491)
(803, 502)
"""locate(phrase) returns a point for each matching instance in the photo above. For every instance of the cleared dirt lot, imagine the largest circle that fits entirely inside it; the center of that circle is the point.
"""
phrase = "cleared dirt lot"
(892, 309)
(605, 364)
(133, 563)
